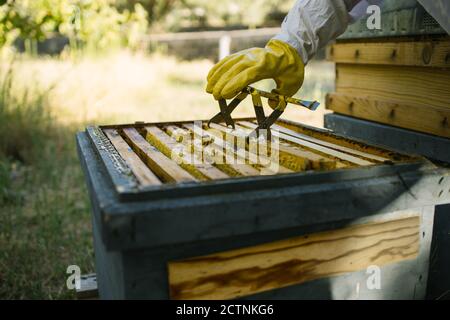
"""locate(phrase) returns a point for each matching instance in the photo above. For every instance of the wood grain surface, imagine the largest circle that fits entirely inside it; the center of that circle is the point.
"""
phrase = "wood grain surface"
(411, 85)
(246, 271)
(427, 119)
(406, 53)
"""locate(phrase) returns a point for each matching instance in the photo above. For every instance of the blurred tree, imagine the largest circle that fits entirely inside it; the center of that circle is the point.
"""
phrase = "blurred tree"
(101, 24)
(156, 9)
(204, 13)
(87, 23)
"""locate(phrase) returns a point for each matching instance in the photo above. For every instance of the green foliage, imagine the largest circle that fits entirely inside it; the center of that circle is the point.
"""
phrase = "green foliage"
(44, 209)
(24, 120)
(173, 15)
(156, 9)
(25, 125)
(101, 24)
(203, 13)
(89, 24)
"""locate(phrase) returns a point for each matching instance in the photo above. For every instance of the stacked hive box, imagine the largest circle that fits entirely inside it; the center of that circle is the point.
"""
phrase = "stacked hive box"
(393, 84)
(400, 82)
(393, 90)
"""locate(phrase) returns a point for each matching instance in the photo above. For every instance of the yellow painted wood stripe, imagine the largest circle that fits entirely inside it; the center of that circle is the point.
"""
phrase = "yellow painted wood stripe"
(250, 270)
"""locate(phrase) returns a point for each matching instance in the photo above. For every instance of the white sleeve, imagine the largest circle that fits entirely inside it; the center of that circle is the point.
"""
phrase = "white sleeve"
(311, 24)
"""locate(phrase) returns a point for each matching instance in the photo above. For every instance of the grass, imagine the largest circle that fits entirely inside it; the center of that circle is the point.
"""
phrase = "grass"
(44, 207)
(44, 216)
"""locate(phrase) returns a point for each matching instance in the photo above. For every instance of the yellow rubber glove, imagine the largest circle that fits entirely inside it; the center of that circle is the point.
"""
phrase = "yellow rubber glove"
(278, 61)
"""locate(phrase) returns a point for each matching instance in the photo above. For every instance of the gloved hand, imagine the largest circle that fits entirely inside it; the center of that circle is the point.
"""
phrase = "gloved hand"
(278, 61)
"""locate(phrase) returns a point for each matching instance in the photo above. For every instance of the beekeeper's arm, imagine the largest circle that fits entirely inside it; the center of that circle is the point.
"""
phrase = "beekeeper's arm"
(308, 27)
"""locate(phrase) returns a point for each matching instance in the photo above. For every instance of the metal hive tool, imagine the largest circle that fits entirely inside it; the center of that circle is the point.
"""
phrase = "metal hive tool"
(263, 122)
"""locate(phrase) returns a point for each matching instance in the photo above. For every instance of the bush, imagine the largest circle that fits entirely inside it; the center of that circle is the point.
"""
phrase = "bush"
(204, 14)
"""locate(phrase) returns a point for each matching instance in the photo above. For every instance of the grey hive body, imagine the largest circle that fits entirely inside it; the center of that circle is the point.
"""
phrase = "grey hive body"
(143, 237)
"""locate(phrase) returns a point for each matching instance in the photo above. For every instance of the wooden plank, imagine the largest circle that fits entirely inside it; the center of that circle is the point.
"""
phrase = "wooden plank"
(265, 169)
(329, 144)
(428, 119)
(236, 273)
(411, 85)
(322, 149)
(197, 168)
(266, 165)
(326, 151)
(329, 136)
(319, 148)
(237, 169)
(321, 142)
(410, 53)
(142, 173)
(290, 157)
(162, 166)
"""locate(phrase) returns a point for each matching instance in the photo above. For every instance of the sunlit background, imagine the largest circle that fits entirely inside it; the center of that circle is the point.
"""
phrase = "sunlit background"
(69, 63)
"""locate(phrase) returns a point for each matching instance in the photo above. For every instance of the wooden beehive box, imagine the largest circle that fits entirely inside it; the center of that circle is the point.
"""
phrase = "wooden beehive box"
(393, 90)
(156, 154)
(227, 229)
(393, 84)
(402, 82)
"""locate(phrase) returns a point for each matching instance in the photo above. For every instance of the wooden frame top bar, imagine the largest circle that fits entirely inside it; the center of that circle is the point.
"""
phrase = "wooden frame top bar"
(151, 172)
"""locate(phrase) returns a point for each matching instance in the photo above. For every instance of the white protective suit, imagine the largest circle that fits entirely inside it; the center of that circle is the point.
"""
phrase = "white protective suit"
(311, 24)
